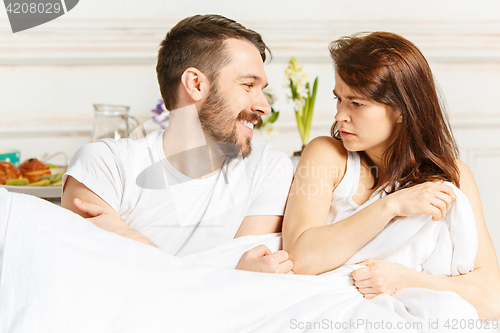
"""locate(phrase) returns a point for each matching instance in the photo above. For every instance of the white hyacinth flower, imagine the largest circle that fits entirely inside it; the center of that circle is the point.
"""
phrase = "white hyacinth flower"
(302, 96)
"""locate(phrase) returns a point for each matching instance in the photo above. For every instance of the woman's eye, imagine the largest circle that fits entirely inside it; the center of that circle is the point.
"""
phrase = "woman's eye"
(357, 104)
(338, 99)
(248, 85)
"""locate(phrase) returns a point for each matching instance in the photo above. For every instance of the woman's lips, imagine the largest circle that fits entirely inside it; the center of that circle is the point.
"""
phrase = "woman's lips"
(346, 135)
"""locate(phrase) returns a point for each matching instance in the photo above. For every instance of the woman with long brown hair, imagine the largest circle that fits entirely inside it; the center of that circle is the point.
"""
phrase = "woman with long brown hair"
(390, 135)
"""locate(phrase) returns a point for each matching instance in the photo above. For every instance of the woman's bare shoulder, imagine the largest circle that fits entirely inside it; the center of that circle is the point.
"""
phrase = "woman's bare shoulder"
(467, 181)
(461, 165)
(325, 145)
(327, 152)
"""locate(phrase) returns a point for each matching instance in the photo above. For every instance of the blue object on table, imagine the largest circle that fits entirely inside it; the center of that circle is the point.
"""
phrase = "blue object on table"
(13, 156)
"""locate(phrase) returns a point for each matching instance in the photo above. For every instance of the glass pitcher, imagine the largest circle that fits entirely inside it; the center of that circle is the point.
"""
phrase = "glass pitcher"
(112, 121)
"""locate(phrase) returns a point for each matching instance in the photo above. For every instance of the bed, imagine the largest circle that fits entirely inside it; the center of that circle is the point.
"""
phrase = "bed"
(60, 273)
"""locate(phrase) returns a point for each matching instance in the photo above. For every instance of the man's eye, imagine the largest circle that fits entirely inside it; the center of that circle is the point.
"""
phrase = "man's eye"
(357, 104)
(338, 99)
(249, 85)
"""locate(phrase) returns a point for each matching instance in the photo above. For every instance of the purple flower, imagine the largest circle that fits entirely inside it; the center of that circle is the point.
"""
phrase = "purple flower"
(158, 109)
(162, 116)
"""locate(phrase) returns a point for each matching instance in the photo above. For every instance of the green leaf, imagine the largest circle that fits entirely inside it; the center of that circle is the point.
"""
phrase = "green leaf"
(294, 90)
(300, 125)
(306, 108)
(271, 118)
(304, 114)
(310, 103)
(313, 97)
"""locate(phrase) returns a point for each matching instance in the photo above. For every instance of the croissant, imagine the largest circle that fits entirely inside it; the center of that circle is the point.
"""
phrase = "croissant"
(33, 169)
(8, 171)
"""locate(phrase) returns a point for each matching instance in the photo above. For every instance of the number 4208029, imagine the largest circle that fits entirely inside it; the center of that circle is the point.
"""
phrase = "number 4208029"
(32, 8)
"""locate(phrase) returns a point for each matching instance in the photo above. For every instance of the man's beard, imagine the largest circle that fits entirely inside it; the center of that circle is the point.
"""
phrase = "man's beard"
(219, 126)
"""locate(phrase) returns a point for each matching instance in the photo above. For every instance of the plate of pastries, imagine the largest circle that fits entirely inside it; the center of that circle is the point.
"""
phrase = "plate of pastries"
(32, 177)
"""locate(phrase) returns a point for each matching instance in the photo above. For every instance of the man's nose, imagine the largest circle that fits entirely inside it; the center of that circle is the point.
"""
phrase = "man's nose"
(261, 104)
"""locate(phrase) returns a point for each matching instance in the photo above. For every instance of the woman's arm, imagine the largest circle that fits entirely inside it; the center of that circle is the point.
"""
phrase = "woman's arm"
(316, 248)
(481, 287)
(313, 247)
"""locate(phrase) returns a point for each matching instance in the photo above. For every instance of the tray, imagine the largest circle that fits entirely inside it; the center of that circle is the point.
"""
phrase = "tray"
(47, 192)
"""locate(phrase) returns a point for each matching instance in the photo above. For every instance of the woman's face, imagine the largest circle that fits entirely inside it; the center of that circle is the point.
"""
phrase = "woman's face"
(364, 125)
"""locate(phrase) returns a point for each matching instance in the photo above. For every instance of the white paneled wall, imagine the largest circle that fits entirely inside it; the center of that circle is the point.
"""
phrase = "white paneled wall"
(105, 52)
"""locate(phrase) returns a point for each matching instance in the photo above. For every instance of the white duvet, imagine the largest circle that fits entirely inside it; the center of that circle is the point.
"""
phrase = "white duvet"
(60, 273)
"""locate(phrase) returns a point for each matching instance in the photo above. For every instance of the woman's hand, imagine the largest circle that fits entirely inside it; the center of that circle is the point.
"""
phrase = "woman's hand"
(433, 198)
(379, 277)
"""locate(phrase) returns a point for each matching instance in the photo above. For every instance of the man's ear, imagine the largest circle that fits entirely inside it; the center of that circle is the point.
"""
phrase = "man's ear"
(195, 84)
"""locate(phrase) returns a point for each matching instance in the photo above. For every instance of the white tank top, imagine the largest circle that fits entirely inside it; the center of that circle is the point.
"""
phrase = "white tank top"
(342, 205)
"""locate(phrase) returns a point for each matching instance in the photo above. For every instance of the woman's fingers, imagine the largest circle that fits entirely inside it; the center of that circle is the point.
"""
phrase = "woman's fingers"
(446, 189)
(436, 199)
(440, 209)
(380, 277)
(443, 201)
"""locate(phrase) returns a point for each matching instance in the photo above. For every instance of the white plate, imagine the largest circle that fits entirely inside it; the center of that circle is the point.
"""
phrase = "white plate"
(39, 191)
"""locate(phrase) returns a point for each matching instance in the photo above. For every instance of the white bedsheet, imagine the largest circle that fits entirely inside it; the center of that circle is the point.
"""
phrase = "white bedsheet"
(59, 273)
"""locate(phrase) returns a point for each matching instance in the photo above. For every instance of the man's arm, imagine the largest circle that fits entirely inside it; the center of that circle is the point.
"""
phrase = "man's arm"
(272, 193)
(260, 258)
(96, 210)
(259, 225)
(74, 189)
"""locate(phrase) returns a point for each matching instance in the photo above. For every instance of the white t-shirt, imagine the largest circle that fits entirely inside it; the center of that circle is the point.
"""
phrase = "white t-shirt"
(179, 214)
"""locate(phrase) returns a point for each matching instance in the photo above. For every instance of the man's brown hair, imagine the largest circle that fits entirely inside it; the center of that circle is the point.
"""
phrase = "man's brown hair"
(198, 41)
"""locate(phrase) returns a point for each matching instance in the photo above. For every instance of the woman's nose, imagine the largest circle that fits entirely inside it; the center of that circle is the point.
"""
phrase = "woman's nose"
(342, 114)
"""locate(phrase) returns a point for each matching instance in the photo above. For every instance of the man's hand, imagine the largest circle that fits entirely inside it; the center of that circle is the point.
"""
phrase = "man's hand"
(261, 259)
(102, 218)
(107, 219)
(379, 277)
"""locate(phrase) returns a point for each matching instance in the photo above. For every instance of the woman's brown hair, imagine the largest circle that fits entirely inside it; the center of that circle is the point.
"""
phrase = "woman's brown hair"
(389, 69)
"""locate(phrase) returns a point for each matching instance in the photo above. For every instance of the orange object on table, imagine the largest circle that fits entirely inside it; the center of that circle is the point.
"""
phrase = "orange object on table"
(8, 171)
(33, 169)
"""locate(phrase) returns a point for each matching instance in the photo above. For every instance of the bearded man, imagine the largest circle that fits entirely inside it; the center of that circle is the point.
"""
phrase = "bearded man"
(201, 182)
